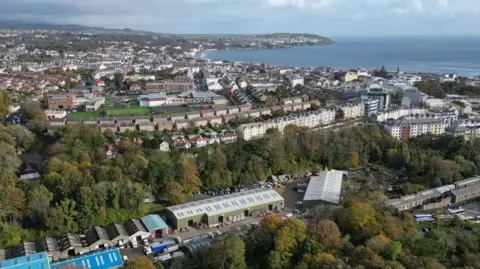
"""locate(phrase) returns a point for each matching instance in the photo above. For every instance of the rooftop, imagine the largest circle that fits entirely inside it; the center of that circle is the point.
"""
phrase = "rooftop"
(421, 196)
(468, 181)
(134, 225)
(160, 95)
(48, 244)
(220, 205)
(115, 230)
(97, 260)
(326, 187)
(468, 190)
(154, 222)
(34, 261)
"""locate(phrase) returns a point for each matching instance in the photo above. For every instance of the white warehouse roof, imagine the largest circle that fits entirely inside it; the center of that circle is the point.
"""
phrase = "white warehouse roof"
(326, 187)
(227, 203)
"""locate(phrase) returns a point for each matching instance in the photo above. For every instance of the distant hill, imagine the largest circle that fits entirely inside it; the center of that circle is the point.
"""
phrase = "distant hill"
(215, 36)
(12, 24)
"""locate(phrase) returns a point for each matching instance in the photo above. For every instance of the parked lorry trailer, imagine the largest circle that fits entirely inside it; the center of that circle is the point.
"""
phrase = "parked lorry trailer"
(158, 247)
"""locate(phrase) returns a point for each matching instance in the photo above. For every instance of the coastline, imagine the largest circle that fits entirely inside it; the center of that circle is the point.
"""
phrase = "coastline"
(418, 56)
(203, 55)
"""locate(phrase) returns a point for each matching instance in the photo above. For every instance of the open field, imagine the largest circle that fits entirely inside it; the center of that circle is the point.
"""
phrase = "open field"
(84, 115)
(135, 111)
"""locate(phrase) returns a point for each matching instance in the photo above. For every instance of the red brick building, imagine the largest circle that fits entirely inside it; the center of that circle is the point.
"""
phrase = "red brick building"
(58, 101)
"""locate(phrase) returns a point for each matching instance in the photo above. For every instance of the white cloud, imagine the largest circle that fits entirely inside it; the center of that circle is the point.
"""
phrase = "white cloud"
(443, 4)
(416, 5)
(315, 4)
(243, 16)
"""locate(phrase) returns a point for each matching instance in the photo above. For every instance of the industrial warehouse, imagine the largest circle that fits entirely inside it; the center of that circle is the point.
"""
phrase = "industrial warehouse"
(98, 247)
(224, 209)
(459, 192)
(324, 189)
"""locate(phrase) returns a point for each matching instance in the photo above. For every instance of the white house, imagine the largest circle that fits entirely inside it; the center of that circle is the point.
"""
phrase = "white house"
(164, 146)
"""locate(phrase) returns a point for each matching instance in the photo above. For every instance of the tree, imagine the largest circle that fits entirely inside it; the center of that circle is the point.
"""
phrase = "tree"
(431, 87)
(118, 80)
(4, 104)
(360, 215)
(12, 204)
(326, 232)
(392, 250)
(228, 254)
(32, 111)
(9, 236)
(23, 136)
(287, 239)
(174, 193)
(9, 164)
(272, 223)
(55, 220)
(353, 160)
(190, 180)
(141, 263)
(38, 202)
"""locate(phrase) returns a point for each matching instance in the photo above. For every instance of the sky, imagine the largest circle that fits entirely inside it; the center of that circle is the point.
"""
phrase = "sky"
(324, 17)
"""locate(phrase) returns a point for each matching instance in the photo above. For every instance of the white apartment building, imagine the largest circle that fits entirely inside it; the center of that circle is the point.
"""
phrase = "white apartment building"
(309, 119)
(294, 80)
(408, 128)
(352, 111)
(252, 130)
(95, 104)
(435, 103)
(399, 113)
(160, 99)
(327, 116)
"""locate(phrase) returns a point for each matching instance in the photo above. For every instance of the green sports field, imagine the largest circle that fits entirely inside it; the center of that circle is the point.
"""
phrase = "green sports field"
(84, 115)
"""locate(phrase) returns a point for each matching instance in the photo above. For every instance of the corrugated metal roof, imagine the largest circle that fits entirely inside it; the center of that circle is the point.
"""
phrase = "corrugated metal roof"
(326, 187)
(97, 260)
(223, 204)
(34, 261)
(468, 181)
(154, 222)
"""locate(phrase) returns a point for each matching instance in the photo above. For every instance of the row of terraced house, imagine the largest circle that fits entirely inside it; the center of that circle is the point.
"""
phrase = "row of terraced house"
(179, 121)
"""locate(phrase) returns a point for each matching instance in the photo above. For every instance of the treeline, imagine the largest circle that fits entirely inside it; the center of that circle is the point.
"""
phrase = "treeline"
(440, 90)
(90, 178)
(362, 233)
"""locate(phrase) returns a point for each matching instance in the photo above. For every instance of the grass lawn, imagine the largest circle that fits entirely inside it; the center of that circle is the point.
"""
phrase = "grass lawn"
(84, 115)
(137, 111)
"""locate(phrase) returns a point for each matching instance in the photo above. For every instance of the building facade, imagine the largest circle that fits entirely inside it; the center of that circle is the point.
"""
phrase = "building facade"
(409, 128)
(224, 209)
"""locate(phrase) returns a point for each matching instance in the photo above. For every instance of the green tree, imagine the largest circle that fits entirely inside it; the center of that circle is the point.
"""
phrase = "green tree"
(228, 254)
(360, 215)
(4, 104)
(12, 204)
(9, 235)
(23, 136)
(32, 110)
(38, 202)
(174, 193)
(141, 263)
(286, 241)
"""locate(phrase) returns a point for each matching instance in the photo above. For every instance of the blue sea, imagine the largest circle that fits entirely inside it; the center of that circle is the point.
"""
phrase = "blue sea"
(459, 55)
